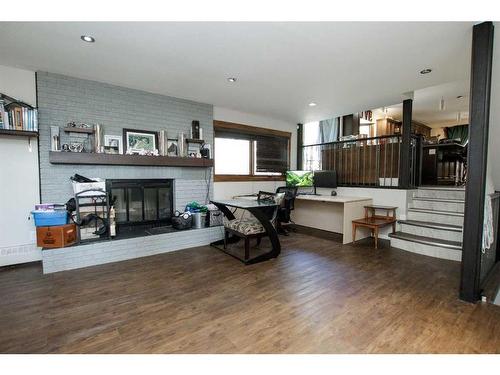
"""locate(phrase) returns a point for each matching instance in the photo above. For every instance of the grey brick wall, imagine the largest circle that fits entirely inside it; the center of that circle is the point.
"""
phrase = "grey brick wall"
(62, 99)
(55, 260)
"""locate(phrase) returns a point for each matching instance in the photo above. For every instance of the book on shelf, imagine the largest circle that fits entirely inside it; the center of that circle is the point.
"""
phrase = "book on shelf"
(17, 115)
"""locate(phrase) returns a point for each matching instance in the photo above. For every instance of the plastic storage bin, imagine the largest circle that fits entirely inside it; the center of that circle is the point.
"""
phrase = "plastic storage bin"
(49, 218)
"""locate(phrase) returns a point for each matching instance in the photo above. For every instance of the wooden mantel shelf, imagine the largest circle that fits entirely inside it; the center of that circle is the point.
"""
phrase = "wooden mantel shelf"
(114, 159)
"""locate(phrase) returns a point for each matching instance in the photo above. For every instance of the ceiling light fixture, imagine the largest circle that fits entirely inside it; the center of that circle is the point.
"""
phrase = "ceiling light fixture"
(312, 104)
(441, 104)
(460, 96)
(87, 38)
(425, 71)
(231, 79)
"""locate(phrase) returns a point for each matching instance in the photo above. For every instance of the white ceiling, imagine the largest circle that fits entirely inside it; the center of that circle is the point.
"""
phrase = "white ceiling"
(426, 104)
(280, 67)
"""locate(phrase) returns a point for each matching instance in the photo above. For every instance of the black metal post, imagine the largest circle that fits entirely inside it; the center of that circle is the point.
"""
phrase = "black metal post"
(300, 142)
(404, 156)
(479, 110)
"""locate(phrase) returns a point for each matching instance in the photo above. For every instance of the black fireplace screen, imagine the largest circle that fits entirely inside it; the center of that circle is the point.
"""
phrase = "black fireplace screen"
(141, 202)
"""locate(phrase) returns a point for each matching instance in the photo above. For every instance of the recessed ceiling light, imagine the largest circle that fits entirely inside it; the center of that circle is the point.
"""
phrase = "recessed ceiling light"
(460, 96)
(87, 38)
(312, 104)
(426, 71)
(231, 79)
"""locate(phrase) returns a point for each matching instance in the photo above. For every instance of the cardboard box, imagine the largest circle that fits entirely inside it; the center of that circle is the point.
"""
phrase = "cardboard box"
(56, 236)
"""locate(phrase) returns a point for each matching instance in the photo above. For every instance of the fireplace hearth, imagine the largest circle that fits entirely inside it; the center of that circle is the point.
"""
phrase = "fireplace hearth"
(141, 204)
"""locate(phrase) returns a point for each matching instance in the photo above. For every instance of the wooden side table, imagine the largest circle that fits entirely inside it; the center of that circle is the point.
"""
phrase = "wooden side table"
(374, 222)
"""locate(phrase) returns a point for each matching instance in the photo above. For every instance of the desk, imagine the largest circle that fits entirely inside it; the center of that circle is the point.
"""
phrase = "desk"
(333, 214)
(261, 211)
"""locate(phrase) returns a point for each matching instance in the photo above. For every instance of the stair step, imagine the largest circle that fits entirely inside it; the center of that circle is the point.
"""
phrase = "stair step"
(428, 211)
(427, 240)
(459, 188)
(432, 225)
(446, 200)
(440, 193)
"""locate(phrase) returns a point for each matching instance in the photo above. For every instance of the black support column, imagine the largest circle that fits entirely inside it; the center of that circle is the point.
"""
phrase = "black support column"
(404, 157)
(299, 145)
(479, 113)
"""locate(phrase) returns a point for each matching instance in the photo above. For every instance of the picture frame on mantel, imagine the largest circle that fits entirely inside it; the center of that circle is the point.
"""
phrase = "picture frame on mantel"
(113, 144)
(136, 141)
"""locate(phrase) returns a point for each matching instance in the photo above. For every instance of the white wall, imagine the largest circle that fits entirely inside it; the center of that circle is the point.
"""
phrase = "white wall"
(19, 186)
(18, 83)
(381, 197)
(494, 130)
(224, 190)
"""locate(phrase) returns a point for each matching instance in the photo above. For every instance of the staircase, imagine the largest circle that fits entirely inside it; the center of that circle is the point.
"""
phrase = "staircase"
(433, 224)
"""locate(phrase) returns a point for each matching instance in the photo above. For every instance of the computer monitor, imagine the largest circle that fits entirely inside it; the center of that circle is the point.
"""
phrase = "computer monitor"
(299, 178)
(325, 179)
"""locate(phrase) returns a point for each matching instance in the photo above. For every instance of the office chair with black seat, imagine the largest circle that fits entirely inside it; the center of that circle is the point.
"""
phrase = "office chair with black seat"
(286, 208)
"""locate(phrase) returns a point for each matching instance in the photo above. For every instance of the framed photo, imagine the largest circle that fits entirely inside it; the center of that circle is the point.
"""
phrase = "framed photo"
(113, 144)
(140, 141)
(172, 147)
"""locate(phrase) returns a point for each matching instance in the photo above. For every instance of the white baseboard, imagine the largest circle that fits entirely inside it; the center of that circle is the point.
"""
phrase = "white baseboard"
(19, 254)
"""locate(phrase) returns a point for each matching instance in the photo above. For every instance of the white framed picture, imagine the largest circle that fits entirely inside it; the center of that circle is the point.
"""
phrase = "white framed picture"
(113, 144)
(140, 141)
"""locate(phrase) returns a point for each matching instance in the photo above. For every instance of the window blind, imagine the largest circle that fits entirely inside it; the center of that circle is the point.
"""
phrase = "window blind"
(272, 154)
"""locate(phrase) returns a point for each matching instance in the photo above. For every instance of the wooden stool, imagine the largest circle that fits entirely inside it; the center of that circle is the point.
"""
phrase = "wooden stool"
(374, 221)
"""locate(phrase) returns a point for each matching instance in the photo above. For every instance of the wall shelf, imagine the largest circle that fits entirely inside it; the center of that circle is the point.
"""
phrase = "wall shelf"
(78, 130)
(56, 157)
(192, 140)
(18, 133)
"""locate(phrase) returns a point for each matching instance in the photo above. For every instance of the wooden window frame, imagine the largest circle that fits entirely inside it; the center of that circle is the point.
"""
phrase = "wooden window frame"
(256, 130)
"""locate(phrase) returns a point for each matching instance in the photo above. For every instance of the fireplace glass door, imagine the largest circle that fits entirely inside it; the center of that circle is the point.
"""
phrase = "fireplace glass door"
(141, 203)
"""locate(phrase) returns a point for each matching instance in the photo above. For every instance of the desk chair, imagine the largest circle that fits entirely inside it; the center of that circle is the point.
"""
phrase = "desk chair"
(250, 227)
(285, 209)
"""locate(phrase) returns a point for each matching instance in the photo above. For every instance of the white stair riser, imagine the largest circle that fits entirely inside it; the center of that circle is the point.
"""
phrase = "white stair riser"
(432, 232)
(435, 218)
(433, 251)
(443, 194)
(438, 206)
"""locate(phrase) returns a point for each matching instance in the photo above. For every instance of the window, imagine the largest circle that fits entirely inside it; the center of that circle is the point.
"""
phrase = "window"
(246, 153)
(315, 133)
(232, 155)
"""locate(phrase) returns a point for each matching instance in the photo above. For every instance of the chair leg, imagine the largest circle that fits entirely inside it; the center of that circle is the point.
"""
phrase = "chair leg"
(376, 237)
(247, 248)
(353, 233)
(226, 235)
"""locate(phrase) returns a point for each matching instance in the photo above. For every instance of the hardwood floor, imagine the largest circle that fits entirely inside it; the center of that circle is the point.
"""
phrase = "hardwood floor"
(317, 297)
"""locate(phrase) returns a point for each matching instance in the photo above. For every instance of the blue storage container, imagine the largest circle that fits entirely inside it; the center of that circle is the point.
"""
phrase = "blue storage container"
(50, 218)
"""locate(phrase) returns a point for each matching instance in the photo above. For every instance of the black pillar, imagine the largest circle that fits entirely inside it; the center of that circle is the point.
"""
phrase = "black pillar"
(404, 151)
(479, 113)
(299, 145)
